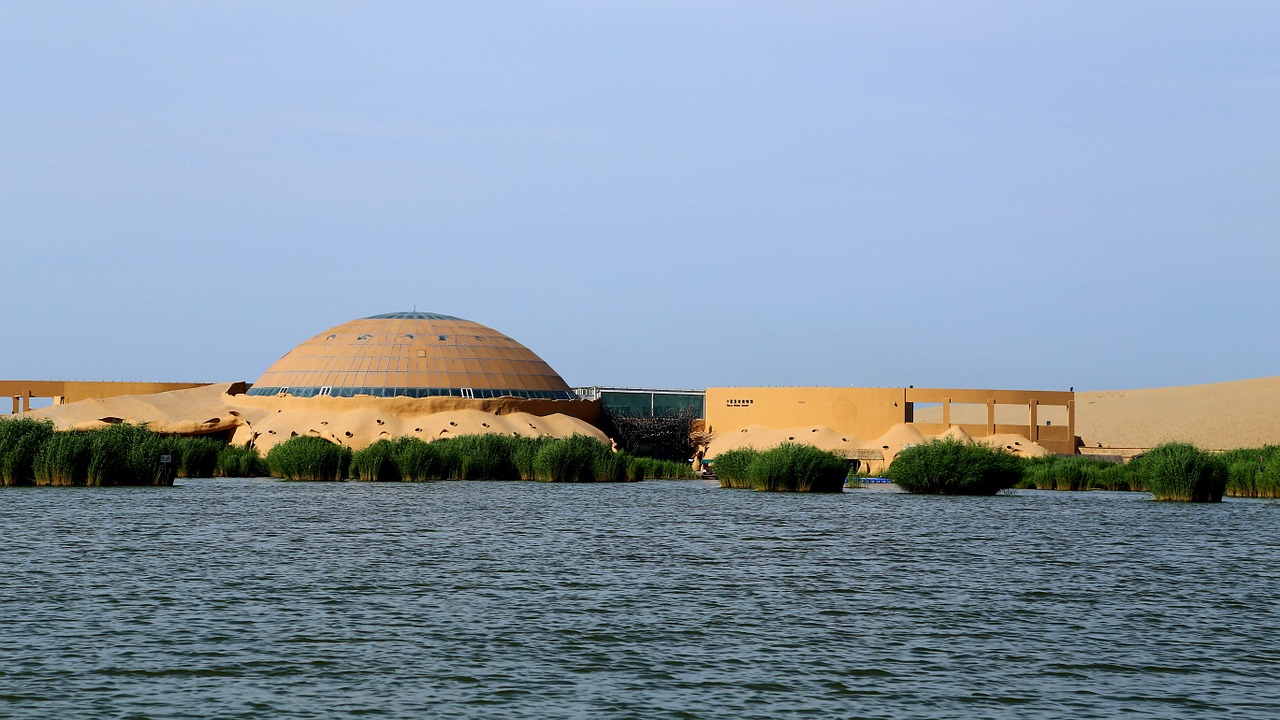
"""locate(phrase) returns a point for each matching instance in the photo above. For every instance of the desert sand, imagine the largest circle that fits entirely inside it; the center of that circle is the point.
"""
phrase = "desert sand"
(1219, 416)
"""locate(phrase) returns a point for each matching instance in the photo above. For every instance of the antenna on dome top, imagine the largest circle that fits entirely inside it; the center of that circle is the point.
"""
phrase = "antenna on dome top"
(415, 308)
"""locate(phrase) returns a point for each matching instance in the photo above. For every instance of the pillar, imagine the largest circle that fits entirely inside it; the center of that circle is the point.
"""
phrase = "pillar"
(17, 404)
(1033, 426)
(991, 416)
(946, 412)
(1071, 423)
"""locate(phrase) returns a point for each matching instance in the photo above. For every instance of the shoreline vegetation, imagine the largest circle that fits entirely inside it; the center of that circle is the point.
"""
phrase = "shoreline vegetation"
(789, 467)
(33, 453)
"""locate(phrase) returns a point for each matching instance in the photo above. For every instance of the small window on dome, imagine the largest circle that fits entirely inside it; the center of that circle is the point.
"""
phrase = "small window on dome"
(366, 336)
(324, 391)
(284, 390)
(443, 338)
(422, 353)
(468, 393)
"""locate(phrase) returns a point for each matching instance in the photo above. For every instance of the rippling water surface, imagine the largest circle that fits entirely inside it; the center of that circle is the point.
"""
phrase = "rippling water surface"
(257, 598)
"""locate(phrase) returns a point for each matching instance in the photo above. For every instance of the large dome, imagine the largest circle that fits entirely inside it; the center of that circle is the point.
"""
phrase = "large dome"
(412, 354)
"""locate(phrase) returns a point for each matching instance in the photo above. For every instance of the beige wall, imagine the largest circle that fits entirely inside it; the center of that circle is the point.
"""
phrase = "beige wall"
(862, 412)
(67, 391)
(868, 413)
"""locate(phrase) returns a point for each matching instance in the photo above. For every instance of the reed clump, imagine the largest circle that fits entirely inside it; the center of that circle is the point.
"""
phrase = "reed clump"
(420, 461)
(20, 440)
(63, 459)
(1184, 473)
(495, 457)
(377, 463)
(952, 467)
(238, 461)
(733, 467)
(789, 467)
(576, 458)
(306, 457)
(1253, 472)
(1073, 472)
(197, 457)
(120, 454)
(644, 467)
(484, 457)
(793, 467)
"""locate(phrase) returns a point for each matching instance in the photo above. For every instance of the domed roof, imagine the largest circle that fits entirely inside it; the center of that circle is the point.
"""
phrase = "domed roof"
(412, 354)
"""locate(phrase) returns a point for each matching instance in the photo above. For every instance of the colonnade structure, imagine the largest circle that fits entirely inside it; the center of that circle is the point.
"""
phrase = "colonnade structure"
(68, 391)
(1045, 417)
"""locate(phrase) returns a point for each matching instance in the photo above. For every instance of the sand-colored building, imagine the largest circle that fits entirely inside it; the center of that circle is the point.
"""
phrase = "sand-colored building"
(874, 424)
(60, 392)
(416, 374)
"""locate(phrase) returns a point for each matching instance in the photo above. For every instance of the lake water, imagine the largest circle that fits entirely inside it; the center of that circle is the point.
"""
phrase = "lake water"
(264, 599)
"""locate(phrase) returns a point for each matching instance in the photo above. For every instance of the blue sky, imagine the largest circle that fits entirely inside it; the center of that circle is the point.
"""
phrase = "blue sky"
(978, 194)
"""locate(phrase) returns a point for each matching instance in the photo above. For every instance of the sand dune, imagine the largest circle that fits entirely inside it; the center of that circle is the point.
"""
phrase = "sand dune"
(886, 447)
(1219, 416)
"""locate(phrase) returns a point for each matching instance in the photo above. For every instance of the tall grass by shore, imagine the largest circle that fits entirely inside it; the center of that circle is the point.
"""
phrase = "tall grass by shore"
(789, 467)
(238, 461)
(20, 440)
(1182, 472)
(733, 467)
(306, 457)
(1253, 472)
(1076, 472)
(577, 458)
(121, 454)
(953, 467)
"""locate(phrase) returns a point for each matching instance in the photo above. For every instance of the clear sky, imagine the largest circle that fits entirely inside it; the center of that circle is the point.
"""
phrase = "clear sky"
(994, 193)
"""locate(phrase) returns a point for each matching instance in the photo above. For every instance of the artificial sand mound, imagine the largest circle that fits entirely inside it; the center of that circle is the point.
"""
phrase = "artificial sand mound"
(354, 422)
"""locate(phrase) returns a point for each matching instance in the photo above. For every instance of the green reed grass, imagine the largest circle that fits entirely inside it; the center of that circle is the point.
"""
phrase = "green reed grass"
(484, 457)
(421, 461)
(1073, 472)
(379, 462)
(306, 457)
(732, 467)
(121, 454)
(20, 441)
(1114, 476)
(525, 453)
(793, 467)
(63, 459)
(237, 461)
(639, 468)
(495, 457)
(1253, 472)
(952, 467)
(1184, 473)
(197, 457)
(571, 459)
